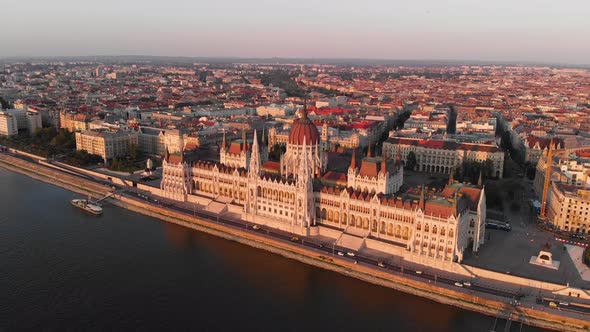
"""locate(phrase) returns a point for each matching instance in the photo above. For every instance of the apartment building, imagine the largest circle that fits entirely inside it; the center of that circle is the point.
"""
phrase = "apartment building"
(8, 124)
(106, 144)
(568, 207)
(438, 156)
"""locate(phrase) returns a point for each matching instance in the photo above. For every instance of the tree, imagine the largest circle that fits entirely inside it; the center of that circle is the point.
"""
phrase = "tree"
(133, 153)
(276, 151)
(4, 103)
(411, 161)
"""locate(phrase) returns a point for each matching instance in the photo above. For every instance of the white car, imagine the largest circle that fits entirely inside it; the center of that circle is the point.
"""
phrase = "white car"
(380, 264)
(458, 284)
(351, 254)
(418, 272)
(256, 227)
(467, 283)
(340, 253)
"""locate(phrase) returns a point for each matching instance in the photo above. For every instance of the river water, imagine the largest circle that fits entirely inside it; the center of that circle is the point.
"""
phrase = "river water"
(64, 270)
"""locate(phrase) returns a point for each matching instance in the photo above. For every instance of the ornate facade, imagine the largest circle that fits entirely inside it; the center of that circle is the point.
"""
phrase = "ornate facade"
(437, 225)
(436, 156)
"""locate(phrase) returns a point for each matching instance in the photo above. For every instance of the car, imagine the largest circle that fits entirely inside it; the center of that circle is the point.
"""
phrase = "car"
(552, 304)
(418, 272)
(294, 239)
(565, 304)
(351, 254)
(356, 262)
(320, 245)
(380, 264)
(340, 253)
(256, 227)
(458, 284)
(467, 283)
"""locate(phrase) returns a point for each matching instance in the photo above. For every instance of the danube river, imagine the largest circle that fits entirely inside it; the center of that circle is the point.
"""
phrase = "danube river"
(62, 269)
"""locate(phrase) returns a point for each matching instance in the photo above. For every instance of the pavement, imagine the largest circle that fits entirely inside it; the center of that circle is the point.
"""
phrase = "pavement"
(510, 252)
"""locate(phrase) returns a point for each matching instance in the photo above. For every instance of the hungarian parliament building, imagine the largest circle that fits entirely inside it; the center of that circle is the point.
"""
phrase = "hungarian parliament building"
(302, 194)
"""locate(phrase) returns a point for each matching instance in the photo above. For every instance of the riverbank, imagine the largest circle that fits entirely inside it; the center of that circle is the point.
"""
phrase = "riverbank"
(439, 294)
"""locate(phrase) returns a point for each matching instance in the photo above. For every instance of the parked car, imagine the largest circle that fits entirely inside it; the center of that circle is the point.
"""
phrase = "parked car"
(295, 239)
(340, 253)
(418, 272)
(467, 283)
(458, 284)
(380, 264)
(552, 304)
(256, 227)
(350, 253)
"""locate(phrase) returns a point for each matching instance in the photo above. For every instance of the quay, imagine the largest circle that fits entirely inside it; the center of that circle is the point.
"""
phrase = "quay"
(495, 303)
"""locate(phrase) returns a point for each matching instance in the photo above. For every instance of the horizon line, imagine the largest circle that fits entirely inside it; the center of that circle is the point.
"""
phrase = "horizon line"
(274, 58)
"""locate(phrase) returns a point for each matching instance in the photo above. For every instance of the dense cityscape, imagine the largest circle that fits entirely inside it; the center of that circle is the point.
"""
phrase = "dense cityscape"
(472, 177)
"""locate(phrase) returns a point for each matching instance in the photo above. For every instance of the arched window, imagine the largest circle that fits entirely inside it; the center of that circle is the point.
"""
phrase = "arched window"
(434, 230)
(442, 231)
(405, 233)
(419, 226)
(451, 233)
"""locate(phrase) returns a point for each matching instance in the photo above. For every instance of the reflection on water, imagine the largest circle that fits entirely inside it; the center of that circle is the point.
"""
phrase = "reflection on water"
(63, 269)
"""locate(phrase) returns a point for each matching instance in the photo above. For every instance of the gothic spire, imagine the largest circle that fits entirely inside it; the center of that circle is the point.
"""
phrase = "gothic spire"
(421, 203)
(480, 180)
(223, 145)
(452, 175)
(353, 160)
(255, 156)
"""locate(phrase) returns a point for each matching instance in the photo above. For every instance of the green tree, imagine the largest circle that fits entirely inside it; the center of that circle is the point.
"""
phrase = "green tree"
(276, 151)
(133, 153)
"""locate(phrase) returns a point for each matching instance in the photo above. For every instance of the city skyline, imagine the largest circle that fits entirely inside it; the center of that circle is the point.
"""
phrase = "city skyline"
(426, 30)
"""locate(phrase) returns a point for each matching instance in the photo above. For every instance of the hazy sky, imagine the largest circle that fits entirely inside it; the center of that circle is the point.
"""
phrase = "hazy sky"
(520, 30)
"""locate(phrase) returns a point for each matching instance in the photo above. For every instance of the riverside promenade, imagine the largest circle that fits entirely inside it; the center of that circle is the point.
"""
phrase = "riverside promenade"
(241, 232)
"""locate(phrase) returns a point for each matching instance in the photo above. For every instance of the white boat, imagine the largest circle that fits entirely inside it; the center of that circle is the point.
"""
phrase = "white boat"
(87, 206)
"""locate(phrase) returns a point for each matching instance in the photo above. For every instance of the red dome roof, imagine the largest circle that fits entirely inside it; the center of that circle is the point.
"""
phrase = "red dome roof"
(303, 127)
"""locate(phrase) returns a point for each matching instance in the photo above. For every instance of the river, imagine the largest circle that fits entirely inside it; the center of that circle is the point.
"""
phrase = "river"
(64, 270)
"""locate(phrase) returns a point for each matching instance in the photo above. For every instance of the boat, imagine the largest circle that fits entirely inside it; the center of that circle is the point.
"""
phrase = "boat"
(88, 206)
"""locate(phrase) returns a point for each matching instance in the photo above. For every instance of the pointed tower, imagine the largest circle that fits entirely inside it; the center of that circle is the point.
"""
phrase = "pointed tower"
(452, 176)
(304, 196)
(244, 142)
(421, 203)
(254, 167)
(223, 144)
(353, 160)
(351, 178)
